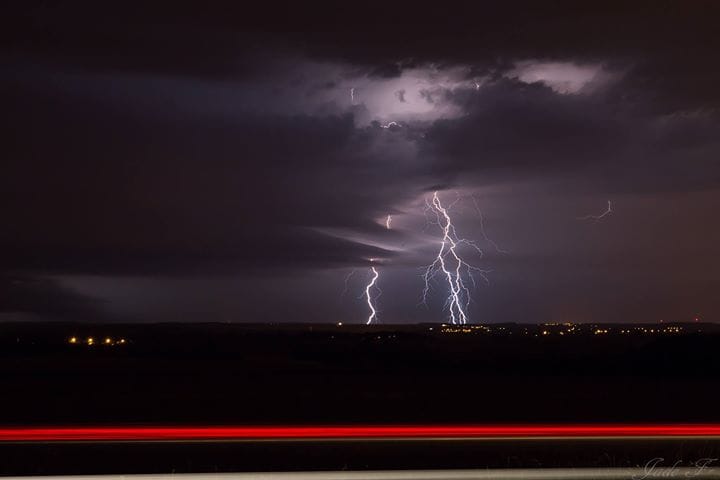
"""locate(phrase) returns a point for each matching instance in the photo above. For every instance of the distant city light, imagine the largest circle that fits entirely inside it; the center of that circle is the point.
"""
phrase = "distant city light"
(91, 341)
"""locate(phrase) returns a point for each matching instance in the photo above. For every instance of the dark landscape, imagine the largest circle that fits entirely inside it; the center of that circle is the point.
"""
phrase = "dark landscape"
(329, 374)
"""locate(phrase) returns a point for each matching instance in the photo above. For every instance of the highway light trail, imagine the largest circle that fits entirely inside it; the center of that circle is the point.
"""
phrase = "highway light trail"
(372, 293)
(149, 433)
(450, 264)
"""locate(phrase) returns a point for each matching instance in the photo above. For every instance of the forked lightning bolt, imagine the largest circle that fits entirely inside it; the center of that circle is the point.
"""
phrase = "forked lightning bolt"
(450, 264)
(372, 293)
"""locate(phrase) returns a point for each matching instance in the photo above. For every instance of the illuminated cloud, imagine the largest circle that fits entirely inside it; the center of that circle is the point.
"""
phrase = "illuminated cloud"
(562, 77)
(415, 94)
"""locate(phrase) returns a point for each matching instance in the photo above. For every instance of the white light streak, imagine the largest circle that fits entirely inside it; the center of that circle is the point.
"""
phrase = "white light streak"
(388, 222)
(604, 214)
(372, 299)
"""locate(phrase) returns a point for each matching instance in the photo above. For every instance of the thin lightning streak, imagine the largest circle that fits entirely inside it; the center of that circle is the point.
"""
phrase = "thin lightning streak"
(352, 96)
(388, 222)
(347, 280)
(450, 264)
(482, 228)
(390, 124)
(371, 299)
(604, 214)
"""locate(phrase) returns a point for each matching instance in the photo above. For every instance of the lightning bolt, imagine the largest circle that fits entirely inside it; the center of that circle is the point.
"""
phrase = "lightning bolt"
(450, 265)
(347, 281)
(482, 228)
(604, 214)
(352, 96)
(372, 299)
(390, 124)
(388, 222)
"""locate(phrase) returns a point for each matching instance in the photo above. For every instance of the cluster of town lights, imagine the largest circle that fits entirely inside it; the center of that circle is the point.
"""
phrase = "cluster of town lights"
(562, 329)
(94, 341)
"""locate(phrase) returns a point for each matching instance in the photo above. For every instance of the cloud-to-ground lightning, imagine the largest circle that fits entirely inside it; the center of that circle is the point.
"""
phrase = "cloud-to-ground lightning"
(604, 214)
(352, 96)
(372, 293)
(450, 264)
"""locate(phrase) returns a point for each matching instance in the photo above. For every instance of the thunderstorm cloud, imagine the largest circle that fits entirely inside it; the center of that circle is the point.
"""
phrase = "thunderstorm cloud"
(168, 163)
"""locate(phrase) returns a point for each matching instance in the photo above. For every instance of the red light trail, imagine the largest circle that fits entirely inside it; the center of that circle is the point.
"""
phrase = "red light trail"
(175, 433)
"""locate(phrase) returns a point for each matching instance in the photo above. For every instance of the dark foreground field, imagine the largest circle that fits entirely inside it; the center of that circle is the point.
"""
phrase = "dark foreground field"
(269, 375)
(176, 374)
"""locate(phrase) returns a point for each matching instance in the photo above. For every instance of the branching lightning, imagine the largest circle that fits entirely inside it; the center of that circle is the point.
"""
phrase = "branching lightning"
(450, 264)
(372, 293)
(604, 214)
(347, 281)
(482, 228)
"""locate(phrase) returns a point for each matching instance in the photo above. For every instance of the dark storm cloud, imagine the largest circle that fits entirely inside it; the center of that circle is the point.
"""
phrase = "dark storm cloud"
(167, 139)
(668, 45)
(44, 297)
(514, 130)
(521, 127)
(387, 37)
(273, 252)
(119, 37)
(126, 183)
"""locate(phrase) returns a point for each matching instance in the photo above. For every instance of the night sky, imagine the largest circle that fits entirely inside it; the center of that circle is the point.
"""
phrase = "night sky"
(213, 162)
